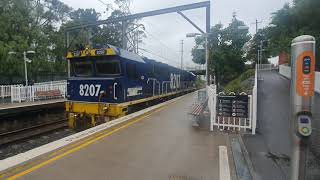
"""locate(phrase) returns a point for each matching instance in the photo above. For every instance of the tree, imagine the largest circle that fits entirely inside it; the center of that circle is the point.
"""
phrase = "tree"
(287, 23)
(226, 58)
(40, 25)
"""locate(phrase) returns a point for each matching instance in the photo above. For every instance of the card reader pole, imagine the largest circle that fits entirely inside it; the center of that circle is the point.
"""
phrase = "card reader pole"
(302, 92)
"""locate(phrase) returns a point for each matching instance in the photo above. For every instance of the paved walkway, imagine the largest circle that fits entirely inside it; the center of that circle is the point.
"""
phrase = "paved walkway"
(270, 149)
(162, 146)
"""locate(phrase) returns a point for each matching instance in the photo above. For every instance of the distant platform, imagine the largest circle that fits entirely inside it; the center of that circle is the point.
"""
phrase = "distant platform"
(13, 108)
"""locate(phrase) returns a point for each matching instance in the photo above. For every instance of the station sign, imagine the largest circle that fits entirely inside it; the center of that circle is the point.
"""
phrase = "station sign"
(233, 106)
(305, 74)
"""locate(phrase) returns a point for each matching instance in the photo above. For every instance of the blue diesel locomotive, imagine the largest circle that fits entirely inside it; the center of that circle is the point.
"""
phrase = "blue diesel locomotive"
(109, 82)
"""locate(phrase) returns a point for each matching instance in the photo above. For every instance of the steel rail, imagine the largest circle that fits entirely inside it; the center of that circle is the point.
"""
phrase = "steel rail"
(28, 132)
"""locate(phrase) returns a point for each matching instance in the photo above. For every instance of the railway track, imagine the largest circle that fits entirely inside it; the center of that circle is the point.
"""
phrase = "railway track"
(24, 133)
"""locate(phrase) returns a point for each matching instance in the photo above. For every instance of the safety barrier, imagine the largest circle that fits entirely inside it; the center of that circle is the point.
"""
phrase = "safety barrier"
(5, 91)
(234, 123)
(286, 72)
(266, 67)
(254, 103)
(39, 91)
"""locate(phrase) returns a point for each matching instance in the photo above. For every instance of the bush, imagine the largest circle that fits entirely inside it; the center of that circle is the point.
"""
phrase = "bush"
(237, 84)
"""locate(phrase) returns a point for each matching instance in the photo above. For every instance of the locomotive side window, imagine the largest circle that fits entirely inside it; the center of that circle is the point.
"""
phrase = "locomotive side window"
(110, 67)
(82, 68)
(131, 70)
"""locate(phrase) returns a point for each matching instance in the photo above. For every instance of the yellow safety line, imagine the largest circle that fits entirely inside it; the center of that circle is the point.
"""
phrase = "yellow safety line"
(82, 145)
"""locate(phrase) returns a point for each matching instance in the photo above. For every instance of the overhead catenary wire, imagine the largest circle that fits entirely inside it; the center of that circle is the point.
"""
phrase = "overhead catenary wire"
(169, 60)
(170, 49)
(159, 56)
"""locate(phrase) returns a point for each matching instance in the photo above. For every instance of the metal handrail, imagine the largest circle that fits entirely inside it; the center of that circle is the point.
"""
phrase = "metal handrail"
(165, 83)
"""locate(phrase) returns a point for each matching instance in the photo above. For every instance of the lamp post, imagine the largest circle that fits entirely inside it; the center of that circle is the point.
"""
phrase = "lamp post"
(26, 60)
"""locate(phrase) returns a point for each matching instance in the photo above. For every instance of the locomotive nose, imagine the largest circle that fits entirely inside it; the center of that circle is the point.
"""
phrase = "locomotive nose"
(104, 90)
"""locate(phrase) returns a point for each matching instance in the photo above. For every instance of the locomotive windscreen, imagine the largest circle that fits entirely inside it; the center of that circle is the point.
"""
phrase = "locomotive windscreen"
(95, 66)
(82, 68)
(109, 67)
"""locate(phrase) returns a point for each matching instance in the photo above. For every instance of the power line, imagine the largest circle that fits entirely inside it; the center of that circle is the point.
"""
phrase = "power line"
(175, 53)
(155, 54)
(103, 3)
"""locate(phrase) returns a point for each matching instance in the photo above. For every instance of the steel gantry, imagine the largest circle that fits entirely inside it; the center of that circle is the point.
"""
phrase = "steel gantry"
(124, 20)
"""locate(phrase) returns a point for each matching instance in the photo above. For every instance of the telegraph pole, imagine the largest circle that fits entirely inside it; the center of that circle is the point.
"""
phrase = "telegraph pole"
(257, 23)
(182, 54)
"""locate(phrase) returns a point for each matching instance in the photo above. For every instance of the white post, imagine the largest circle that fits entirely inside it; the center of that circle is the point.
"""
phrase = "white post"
(11, 93)
(25, 67)
(2, 92)
(19, 93)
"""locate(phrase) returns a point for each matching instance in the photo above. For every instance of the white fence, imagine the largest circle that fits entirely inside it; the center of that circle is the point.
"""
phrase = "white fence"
(5, 91)
(254, 103)
(286, 72)
(233, 123)
(38, 91)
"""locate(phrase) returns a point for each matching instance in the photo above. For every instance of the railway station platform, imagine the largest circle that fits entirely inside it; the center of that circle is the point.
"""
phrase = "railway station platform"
(15, 108)
(160, 144)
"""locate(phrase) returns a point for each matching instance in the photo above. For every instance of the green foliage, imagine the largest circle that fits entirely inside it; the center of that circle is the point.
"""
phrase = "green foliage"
(239, 85)
(40, 26)
(287, 23)
(226, 57)
(200, 83)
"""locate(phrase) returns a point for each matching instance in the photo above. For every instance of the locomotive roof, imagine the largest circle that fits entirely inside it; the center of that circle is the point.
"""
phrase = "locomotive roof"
(126, 54)
(108, 50)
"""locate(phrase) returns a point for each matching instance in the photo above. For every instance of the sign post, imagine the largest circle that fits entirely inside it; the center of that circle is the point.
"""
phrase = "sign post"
(233, 106)
(302, 92)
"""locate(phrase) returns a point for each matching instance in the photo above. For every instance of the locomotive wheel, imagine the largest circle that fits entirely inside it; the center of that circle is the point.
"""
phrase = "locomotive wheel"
(82, 122)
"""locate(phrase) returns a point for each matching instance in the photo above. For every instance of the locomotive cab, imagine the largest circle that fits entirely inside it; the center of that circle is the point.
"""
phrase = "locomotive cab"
(95, 87)
(96, 79)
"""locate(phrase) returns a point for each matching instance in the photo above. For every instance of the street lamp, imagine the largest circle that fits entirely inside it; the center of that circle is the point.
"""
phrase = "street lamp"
(193, 35)
(243, 27)
(26, 60)
(272, 25)
(207, 51)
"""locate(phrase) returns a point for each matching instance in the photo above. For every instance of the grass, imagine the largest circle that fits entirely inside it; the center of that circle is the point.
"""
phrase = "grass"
(240, 84)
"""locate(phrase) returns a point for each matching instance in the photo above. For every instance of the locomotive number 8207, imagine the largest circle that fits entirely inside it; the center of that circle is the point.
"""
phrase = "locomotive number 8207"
(89, 90)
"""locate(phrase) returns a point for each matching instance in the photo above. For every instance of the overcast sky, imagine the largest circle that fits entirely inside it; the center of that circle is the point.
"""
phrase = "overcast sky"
(165, 32)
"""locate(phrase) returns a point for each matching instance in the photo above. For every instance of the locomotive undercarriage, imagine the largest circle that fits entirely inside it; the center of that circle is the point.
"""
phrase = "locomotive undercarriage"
(83, 115)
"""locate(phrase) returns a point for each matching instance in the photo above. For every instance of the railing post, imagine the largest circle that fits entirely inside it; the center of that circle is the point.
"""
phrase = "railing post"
(19, 94)
(11, 93)
(2, 92)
